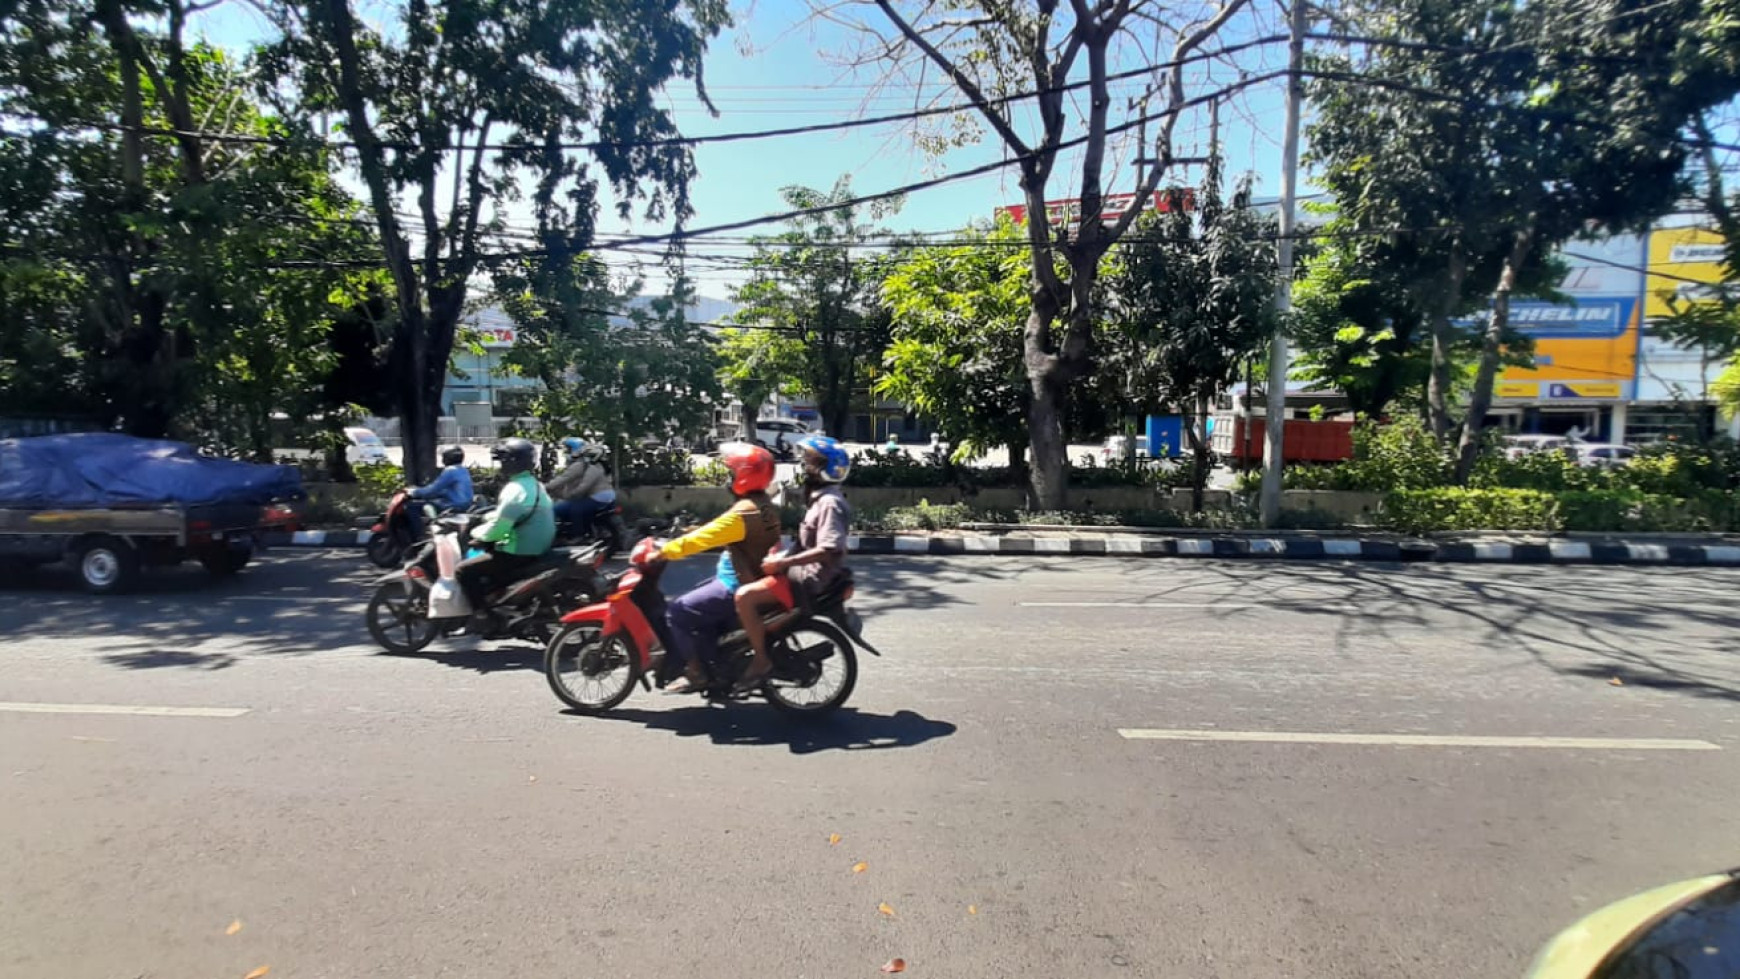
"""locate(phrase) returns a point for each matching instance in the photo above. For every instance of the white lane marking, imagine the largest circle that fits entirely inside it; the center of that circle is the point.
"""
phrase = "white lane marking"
(1134, 605)
(1420, 740)
(137, 711)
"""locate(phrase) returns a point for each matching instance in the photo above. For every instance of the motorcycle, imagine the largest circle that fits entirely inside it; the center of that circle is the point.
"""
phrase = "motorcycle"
(605, 527)
(403, 620)
(604, 649)
(390, 535)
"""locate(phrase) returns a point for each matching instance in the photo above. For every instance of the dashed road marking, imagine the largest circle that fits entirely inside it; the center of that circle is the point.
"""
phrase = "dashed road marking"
(128, 709)
(1420, 740)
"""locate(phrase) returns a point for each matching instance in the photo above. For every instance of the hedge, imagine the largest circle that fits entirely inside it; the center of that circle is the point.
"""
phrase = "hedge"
(1435, 510)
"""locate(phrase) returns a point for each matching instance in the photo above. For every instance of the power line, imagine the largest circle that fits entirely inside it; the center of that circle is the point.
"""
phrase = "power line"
(911, 115)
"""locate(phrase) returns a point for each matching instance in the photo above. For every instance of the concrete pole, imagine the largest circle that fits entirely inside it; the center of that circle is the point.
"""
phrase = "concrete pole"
(1274, 422)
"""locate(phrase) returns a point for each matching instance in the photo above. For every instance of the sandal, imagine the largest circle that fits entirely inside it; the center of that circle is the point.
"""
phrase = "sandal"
(687, 683)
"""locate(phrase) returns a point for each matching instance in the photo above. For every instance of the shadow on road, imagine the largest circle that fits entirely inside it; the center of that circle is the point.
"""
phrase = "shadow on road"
(295, 602)
(759, 725)
(1663, 628)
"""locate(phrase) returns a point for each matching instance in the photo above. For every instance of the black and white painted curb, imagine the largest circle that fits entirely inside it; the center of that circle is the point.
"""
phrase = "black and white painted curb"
(1287, 549)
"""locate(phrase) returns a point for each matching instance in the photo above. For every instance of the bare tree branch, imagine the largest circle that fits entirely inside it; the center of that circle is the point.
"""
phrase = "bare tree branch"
(968, 87)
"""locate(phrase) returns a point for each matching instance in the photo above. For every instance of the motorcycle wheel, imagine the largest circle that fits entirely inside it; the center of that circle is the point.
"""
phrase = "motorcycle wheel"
(587, 672)
(384, 551)
(815, 671)
(398, 619)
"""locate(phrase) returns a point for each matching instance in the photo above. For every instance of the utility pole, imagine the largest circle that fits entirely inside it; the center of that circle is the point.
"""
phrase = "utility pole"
(1275, 416)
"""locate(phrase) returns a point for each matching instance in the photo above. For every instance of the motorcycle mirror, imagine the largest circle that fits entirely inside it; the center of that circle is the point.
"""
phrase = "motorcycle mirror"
(1689, 929)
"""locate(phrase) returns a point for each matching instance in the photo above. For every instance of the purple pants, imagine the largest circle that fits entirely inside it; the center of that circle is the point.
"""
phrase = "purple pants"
(697, 619)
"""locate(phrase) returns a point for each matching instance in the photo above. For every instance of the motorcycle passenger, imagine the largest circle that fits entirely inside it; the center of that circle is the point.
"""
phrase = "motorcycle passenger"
(450, 490)
(747, 531)
(522, 528)
(819, 556)
(583, 489)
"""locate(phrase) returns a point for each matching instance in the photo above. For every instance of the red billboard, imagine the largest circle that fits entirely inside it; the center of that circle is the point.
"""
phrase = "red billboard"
(1112, 206)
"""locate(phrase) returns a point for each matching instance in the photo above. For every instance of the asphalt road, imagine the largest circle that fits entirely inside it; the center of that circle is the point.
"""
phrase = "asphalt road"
(441, 816)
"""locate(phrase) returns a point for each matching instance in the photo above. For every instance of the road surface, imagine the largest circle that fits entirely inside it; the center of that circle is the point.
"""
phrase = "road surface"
(1064, 767)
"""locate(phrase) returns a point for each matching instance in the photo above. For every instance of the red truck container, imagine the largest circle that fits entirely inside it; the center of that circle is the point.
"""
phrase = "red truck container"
(1303, 441)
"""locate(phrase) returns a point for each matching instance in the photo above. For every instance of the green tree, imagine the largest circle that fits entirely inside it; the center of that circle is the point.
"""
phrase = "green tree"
(955, 354)
(990, 51)
(811, 300)
(164, 285)
(460, 107)
(1710, 323)
(1504, 131)
(755, 362)
(1194, 300)
(608, 367)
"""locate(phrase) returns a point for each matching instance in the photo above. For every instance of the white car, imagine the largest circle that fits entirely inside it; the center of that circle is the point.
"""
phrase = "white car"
(365, 448)
(1602, 453)
(1517, 446)
(774, 431)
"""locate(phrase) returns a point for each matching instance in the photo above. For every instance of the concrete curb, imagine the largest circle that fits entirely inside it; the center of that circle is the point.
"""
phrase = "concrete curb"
(1249, 548)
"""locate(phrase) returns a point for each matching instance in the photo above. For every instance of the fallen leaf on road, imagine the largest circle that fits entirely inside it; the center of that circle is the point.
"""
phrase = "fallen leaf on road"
(895, 965)
(257, 973)
(885, 909)
(234, 927)
(972, 909)
(1617, 682)
(860, 867)
(834, 840)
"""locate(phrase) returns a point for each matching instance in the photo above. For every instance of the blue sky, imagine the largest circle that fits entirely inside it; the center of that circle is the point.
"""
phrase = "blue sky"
(773, 69)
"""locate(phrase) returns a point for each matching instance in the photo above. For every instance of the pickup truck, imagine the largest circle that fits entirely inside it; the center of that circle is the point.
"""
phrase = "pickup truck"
(112, 507)
(110, 546)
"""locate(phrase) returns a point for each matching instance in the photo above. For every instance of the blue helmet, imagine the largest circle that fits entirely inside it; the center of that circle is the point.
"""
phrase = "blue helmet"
(836, 462)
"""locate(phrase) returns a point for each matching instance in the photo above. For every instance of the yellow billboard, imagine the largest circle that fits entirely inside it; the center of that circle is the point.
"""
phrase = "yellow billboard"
(1586, 347)
(1675, 256)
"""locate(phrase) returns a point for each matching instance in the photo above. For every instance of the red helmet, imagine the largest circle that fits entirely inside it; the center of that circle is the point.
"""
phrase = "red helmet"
(751, 468)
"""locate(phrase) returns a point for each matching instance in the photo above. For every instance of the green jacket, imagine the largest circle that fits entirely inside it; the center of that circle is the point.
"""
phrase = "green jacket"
(524, 521)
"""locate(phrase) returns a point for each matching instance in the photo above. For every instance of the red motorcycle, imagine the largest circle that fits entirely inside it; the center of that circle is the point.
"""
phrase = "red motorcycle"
(603, 650)
(390, 537)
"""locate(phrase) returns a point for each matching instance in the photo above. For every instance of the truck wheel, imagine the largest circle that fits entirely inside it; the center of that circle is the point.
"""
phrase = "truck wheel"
(226, 561)
(107, 565)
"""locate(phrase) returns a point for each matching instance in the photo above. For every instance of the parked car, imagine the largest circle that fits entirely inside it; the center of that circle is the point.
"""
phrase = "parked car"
(365, 448)
(1597, 454)
(1517, 446)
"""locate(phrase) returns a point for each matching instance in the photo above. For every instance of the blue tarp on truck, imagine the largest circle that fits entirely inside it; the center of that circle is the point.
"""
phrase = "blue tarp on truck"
(108, 470)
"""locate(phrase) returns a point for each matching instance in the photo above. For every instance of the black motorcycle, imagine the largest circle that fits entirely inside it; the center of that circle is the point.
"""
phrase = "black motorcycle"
(529, 607)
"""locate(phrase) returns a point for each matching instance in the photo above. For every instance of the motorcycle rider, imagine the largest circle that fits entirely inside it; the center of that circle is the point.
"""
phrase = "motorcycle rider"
(801, 574)
(747, 532)
(583, 489)
(523, 528)
(450, 490)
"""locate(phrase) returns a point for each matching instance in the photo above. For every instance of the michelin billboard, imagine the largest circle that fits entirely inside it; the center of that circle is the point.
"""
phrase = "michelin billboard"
(1585, 348)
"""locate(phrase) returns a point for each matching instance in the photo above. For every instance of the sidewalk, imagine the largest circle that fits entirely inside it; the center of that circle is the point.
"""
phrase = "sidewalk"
(1679, 550)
